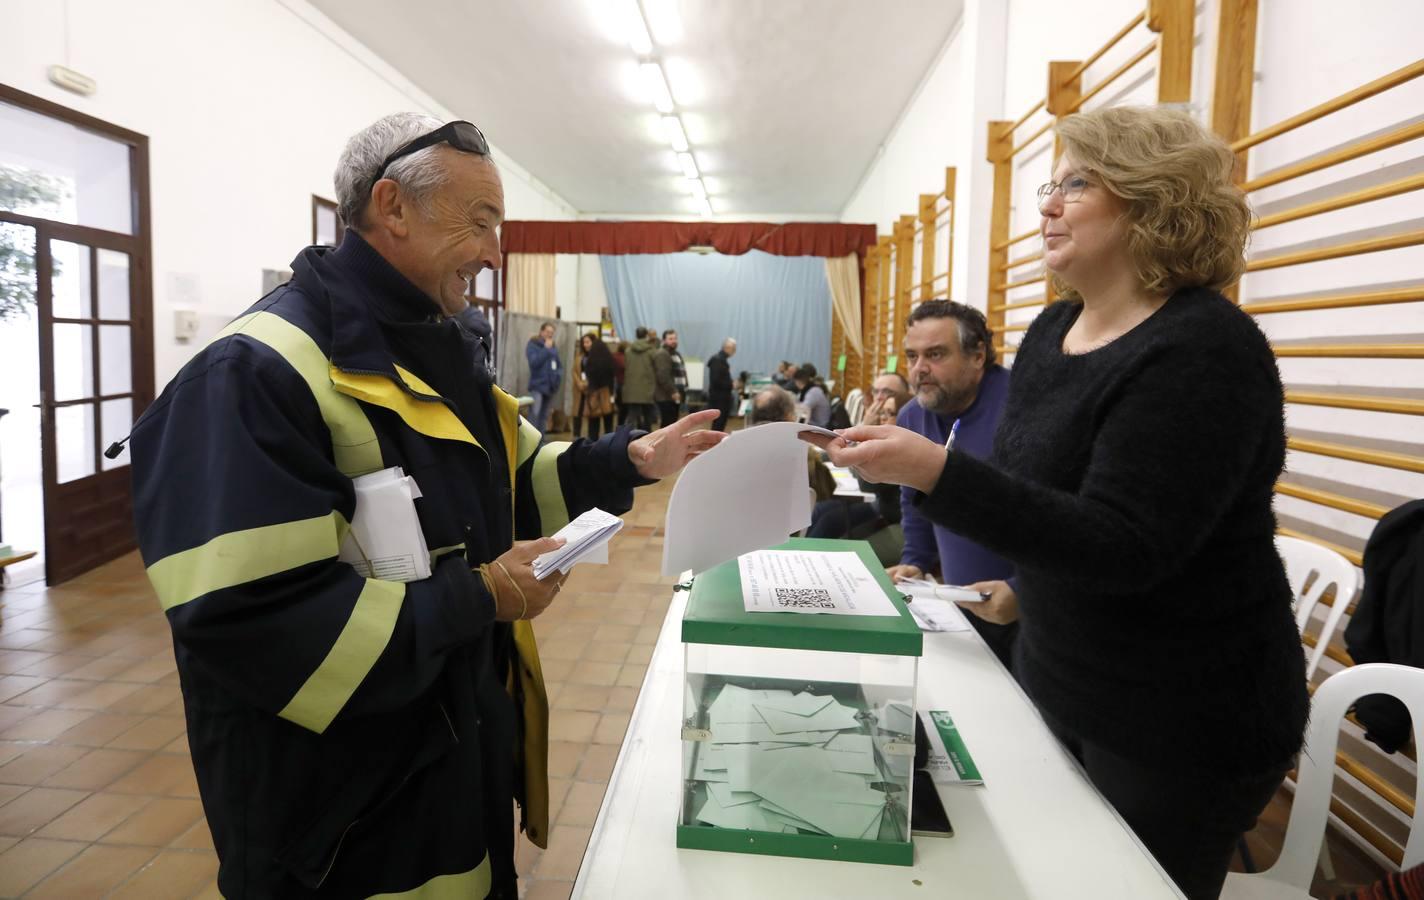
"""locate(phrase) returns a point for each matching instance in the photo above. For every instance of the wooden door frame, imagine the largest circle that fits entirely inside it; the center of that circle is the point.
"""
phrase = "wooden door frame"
(138, 246)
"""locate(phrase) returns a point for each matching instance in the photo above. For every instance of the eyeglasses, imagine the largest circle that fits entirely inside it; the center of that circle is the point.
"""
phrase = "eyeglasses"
(461, 135)
(1072, 190)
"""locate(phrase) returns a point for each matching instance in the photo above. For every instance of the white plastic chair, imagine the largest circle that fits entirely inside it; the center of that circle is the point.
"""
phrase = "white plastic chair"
(855, 403)
(1301, 558)
(1291, 876)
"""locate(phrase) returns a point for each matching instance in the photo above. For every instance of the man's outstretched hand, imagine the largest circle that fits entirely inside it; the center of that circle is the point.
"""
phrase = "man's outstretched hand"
(664, 452)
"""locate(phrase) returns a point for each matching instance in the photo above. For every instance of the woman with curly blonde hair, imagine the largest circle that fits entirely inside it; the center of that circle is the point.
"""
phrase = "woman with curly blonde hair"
(1130, 484)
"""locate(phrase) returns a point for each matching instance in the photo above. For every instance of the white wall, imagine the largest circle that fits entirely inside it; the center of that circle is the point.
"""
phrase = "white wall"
(247, 104)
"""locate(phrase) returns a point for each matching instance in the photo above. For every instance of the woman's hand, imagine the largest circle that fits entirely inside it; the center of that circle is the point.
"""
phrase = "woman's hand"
(904, 573)
(1001, 608)
(885, 454)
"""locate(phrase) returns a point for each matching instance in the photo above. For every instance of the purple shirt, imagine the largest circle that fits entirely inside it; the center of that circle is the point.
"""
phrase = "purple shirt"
(961, 560)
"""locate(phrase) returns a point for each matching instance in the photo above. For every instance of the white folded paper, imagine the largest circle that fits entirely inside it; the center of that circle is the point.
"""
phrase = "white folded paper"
(586, 541)
(385, 541)
(923, 589)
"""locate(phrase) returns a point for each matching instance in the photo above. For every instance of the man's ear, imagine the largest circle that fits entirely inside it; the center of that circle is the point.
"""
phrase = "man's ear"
(388, 208)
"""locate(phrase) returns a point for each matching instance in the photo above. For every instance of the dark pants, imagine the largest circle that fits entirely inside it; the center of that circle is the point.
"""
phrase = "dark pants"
(640, 415)
(667, 411)
(593, 429)
(723, 404)
(1190, 819)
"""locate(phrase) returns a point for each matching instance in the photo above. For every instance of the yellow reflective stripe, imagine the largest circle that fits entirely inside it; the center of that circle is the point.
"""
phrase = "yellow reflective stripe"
(441, 551)
(548, 493)
(356, 650)
(353, 440)
(529, 438)
(536, 733)
(242, 556)
(471, 885)
(429, 417)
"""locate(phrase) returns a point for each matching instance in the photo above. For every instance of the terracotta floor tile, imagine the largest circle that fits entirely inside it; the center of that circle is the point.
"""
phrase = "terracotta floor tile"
(526, 857)
(159, 775)
(581, 804)
(158, 824)
(561, 860)
(197, 837)
(631, 675)
(38, 763)
(566, 725)
(102, 669)
(94, 816)
(92, 873)
(556, 669)
(561, 649)
(22, 638)
(549, 890)
(150, 734)
(9, 792)
(13, 686)
(35, 809)
(615, 634)
(607, 651)
(98, 729)
(597, 763)
(11, 716)
(13, 662)
(210, 892)
(46, 724)
(611, 728)
(647, 634)
(148, 699)
(29, 861)
(595, 673)
(641, 653)
(621, 699)
(149, 670)
(47, 692)
(96, 769)
(172, 875)
(564, 758)
(589, 697)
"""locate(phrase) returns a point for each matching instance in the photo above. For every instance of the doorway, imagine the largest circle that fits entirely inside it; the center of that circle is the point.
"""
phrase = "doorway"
(75, 331)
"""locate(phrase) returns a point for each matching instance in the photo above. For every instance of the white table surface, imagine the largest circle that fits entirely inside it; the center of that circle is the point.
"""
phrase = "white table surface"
(1036, 829)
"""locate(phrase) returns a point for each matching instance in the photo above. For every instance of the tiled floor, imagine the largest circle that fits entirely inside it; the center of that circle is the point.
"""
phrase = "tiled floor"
(97, 795)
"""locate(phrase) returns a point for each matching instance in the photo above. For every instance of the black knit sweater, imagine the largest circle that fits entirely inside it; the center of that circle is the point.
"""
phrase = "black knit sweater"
(1131, 487)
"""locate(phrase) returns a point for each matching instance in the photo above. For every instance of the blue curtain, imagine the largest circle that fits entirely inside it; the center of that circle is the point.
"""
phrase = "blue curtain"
(777, 307)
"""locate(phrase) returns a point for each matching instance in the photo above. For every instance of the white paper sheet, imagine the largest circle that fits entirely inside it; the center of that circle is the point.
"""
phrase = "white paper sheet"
(748, 492)
(938, 615)
(920, 588)
(811, 582)
(385, 541)
(586, 539)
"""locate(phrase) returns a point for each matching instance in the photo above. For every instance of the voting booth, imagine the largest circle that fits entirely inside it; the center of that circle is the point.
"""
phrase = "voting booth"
(798, 716)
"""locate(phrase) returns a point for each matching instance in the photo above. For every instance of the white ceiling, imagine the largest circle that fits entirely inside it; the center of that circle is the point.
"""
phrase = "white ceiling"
(785, 101)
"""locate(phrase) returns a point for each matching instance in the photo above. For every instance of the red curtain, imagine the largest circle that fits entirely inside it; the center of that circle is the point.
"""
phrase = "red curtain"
(731, 238)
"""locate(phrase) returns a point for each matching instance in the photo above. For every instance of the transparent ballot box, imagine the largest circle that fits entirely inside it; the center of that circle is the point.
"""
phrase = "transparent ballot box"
(798, 732)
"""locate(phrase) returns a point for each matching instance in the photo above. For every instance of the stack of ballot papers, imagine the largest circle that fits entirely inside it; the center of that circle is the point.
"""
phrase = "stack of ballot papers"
(385, 541)
(586, 539)
(785, 762)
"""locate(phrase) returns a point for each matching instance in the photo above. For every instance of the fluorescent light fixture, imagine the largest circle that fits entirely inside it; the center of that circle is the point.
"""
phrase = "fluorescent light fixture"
(697, 188)
(636, 28)
(656, 87)
(672, 130)
(688, 164)
(705, 206)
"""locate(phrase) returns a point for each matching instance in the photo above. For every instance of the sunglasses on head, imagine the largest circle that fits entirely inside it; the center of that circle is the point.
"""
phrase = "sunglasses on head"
(461, 135)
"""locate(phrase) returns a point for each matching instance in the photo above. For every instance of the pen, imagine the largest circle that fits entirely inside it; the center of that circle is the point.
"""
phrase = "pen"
(953, 432)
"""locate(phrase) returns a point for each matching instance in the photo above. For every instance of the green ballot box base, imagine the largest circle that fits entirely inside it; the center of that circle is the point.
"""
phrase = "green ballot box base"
(801, 846)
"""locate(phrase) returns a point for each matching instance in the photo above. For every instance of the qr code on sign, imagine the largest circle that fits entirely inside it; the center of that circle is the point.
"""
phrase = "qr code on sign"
(804, 598)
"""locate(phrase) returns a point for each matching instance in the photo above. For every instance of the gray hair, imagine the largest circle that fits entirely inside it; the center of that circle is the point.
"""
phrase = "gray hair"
(420, 174)
(773, 405)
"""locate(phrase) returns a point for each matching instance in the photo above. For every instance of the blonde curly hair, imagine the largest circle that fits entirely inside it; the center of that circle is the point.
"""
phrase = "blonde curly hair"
(1187, 222)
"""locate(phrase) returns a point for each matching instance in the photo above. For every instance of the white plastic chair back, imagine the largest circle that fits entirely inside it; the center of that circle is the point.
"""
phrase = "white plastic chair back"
(1305, 832)
(855, 402)
(1301, 558)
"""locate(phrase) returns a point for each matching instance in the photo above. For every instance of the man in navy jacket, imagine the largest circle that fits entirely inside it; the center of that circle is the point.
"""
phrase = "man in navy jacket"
(544, 373)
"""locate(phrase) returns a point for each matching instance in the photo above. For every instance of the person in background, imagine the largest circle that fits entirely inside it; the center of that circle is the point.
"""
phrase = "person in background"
(672, 378)
(812, 393)
(577, 384)
(1131, 484)
(776, 404)
(960, 389)
(639, 379)
(544, 374)
(597, 379)
(782, 377)
(839, 517)
(620, 369)
(719, 382)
